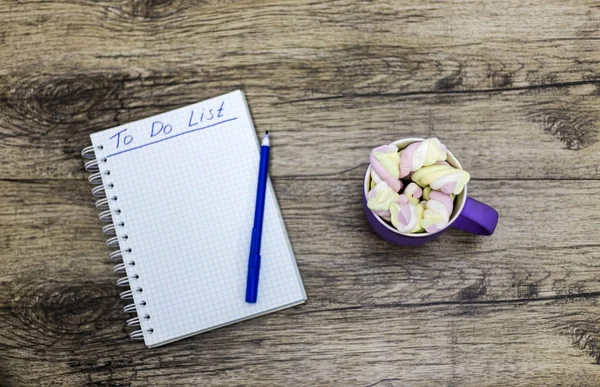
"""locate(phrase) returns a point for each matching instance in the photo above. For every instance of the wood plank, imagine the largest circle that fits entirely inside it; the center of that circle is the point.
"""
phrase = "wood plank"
(548, 342)
(534, 135)
(353, 35)
(46, 230)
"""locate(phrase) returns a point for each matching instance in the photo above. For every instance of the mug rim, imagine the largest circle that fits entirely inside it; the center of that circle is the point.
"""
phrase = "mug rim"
(451, 159)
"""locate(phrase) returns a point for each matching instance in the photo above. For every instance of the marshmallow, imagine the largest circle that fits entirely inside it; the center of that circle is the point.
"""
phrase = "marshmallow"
(385, 166)
(438, 209)
(380, 198)
(413, 192)
(426, 192)
(406, 217)
(421, 154)
(445, 178)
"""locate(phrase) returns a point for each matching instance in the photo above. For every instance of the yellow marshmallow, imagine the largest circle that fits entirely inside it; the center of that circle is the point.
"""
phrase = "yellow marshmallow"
(437, 176)
(380, 197)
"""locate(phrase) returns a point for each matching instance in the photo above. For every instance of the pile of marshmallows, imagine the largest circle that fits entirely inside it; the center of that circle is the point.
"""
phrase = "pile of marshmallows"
(423, 162)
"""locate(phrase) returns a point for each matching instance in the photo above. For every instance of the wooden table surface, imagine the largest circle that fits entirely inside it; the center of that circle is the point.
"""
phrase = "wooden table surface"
(512, 87)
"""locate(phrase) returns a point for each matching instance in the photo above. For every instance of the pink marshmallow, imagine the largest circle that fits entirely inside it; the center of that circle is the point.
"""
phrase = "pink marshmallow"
(432, 229)
(449, 187)
(406, 159)
(443, 198)
(404, 214)
(383, 174)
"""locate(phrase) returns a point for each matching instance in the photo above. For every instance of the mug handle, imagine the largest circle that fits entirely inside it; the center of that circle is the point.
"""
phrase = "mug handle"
(476, 218)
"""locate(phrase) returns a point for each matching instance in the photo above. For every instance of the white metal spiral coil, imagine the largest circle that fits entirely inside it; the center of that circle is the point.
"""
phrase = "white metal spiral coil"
(119, 238)
(102, 204)
(109, 229)
(115, 255)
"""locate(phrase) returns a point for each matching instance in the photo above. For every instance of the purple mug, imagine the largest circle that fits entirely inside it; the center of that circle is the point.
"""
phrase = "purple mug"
(468, 214)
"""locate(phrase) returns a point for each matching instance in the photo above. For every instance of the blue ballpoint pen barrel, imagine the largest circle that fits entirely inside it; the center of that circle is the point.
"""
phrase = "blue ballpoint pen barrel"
(254, 258)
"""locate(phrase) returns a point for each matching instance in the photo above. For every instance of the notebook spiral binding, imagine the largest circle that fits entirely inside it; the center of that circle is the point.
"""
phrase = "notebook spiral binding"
(117, 239)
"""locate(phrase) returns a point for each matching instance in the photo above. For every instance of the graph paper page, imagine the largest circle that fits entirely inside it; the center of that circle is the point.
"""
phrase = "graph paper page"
(182, 188)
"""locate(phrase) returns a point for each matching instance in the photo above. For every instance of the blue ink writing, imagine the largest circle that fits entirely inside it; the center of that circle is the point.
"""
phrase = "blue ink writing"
(191, 118)
(158, 127)
(127, 139)
(201, 116)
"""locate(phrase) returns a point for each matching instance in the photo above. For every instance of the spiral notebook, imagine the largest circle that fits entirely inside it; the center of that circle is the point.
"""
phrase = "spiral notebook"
(177, 192)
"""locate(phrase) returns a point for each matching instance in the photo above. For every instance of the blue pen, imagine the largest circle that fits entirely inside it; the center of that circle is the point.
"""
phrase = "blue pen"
(261, 190)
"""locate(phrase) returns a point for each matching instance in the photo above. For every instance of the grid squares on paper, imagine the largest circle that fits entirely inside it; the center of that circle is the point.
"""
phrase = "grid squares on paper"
(188, 205)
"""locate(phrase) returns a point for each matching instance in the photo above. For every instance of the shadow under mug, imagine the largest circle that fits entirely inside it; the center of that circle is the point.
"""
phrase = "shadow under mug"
(468, 214)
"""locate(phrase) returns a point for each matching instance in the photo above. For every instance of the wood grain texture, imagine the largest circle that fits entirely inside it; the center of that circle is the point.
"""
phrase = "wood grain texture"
(512, 87)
